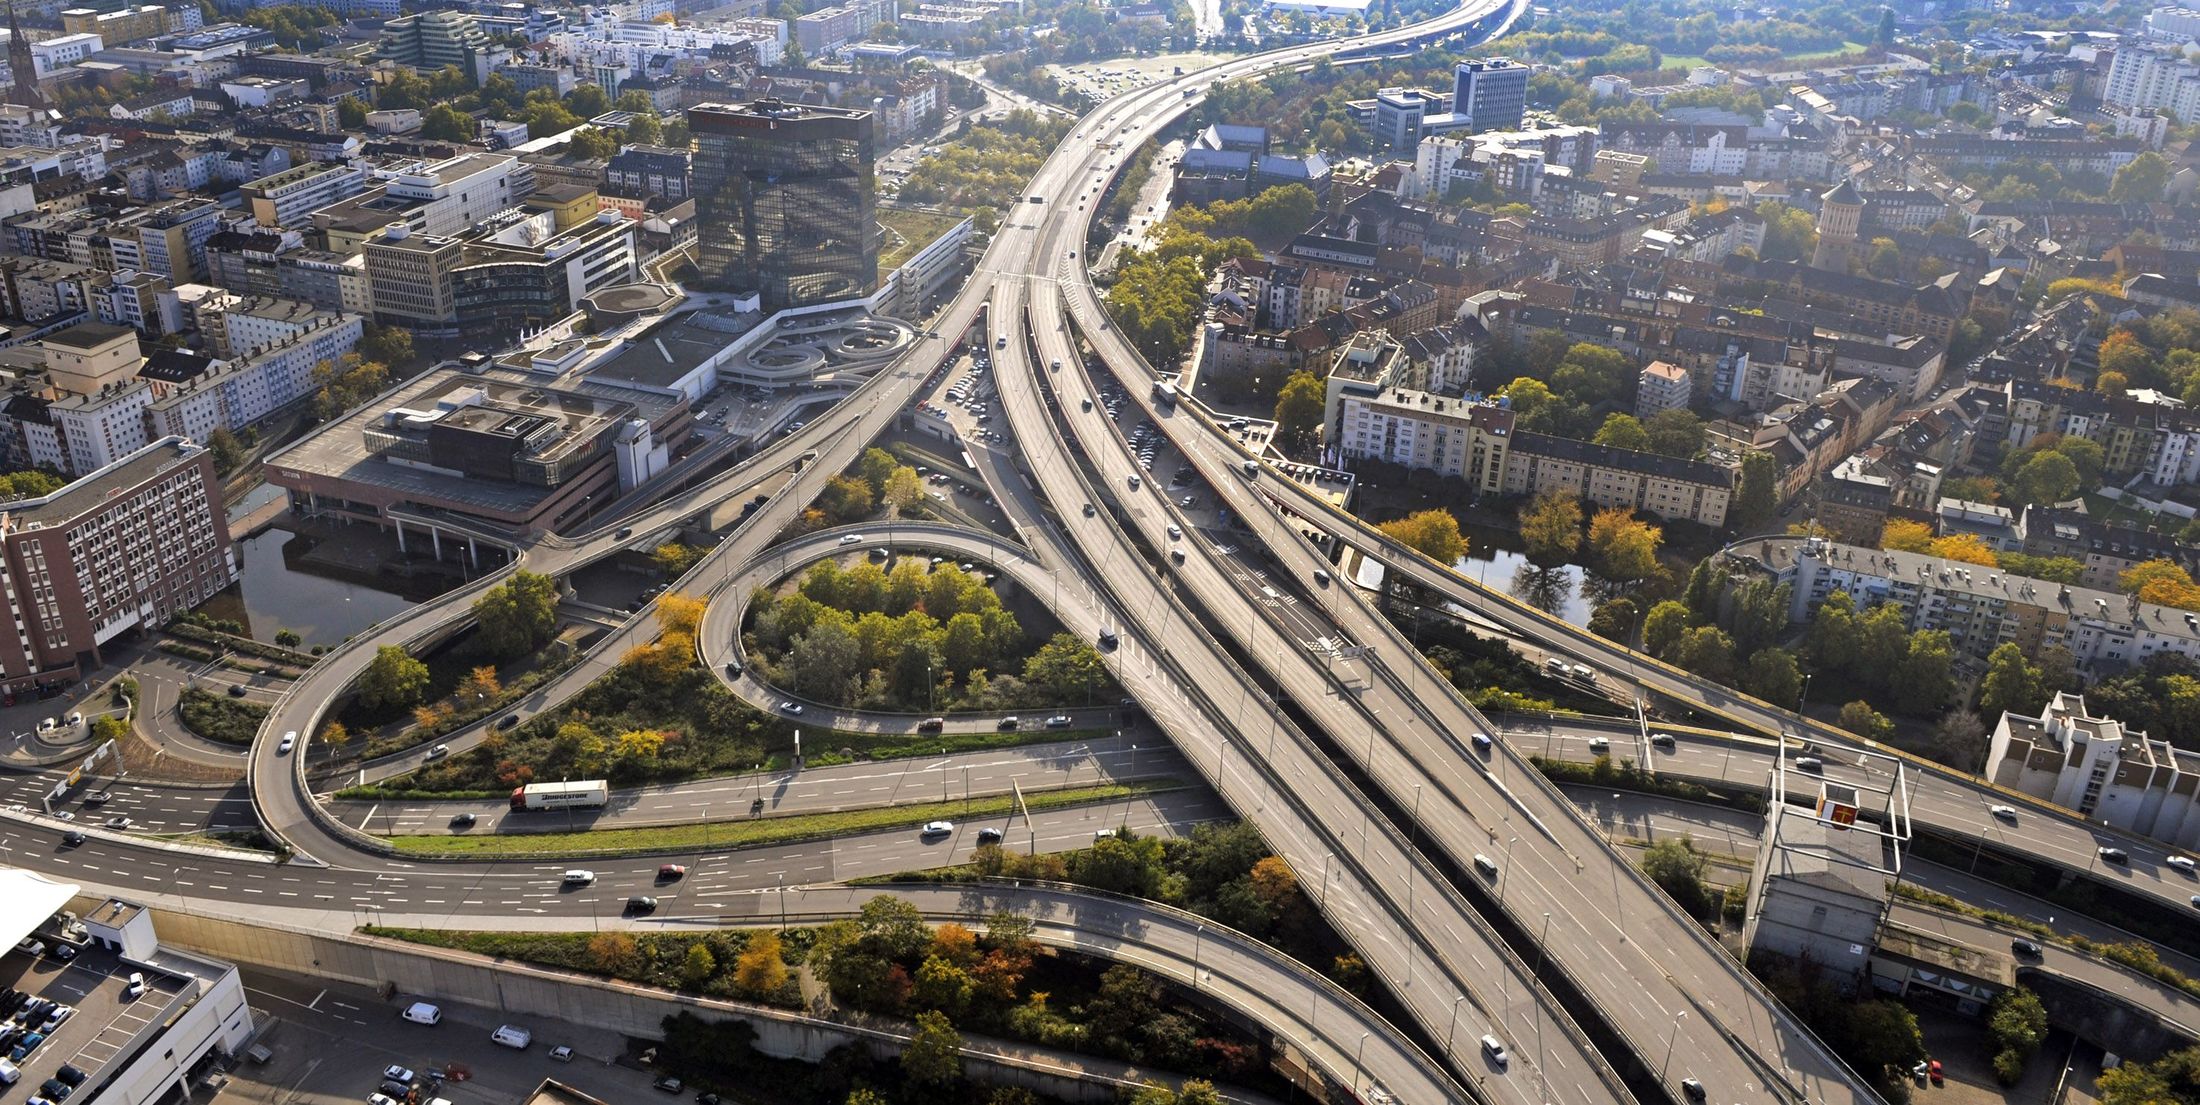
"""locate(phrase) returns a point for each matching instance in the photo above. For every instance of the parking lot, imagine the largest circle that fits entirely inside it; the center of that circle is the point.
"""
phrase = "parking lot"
(81, 1013)
(333, 1043)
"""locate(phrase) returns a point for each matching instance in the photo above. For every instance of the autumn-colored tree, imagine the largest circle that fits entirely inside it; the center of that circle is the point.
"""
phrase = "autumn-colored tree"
(699, 964)
(638, 745)
(1273, 882)
(1903, 535)
(955, 943)
(1432, 533)
(1623, 547)
(2162, 581)
(1551, 527)
(335, 735)
(613, 953)
(680, 614)
(432, 715)
(760, 971)
(904, 488)
(1965, 547)
(480, 685)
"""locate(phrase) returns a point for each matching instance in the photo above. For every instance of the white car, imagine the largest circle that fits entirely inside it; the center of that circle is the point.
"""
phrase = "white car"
(396, 1073)
(2006, 813)
(578, 877)
(289, 741)
(791, 706)
(2182, 863)
(936, 829)
(851, 538)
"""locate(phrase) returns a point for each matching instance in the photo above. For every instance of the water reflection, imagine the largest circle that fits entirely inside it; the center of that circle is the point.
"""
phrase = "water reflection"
(275, 595)
(1550, 590)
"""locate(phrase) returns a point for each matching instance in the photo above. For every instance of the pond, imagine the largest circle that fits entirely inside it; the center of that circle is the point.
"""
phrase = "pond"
(273, 594)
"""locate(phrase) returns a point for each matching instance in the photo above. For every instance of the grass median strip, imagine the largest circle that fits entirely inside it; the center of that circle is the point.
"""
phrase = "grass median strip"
(749, 832)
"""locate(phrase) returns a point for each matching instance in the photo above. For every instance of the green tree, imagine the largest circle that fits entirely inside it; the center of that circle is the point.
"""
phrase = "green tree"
(1959, 740)
(1756, 494)
(933, 1056)
(826, 661)
(2045, 479)
(1925, 679)
(1706, 651)
(943, 986)
(645, 130)
(388, 345)
(1067, 666)
(1623, 431)
(846, 499)
(1662, 628)
(1678, 869)
(519, 616)
(1834, 641)
(1614, 620)
(393, 679)
(875, 467)
(1883, 259)
(587, 100)
(1432, 533)
(1550, 526)
(698, 966)
(351, 114)
(1859, 718)
(1675, 433)
(2141, 180)
(445, 123)
(1299, 407)
(1773, 675)
(228, 451)
(1790, 234)
(2012, 683)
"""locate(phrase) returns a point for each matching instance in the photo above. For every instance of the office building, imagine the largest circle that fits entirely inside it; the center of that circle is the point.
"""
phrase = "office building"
(120, 27)
(1490, 95)
(1979, 608)
(784, 196)
(434, 39)
(515, 270)
(446, 198)
(124, 547)
(2100, 769)
(499, 446)
(289, 198)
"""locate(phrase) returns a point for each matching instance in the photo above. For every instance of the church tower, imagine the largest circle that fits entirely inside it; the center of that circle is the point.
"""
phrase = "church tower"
(1840, 215)
(20, 65)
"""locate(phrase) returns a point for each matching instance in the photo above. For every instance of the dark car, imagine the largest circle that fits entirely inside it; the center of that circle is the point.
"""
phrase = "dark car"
(507, 721)
(72, 838)
(707, 1098)
(70, 1075)
(396, 1089)
(989, 836)
(54, 1089)
(668, 1084)
(462, 820)
(236, 690)
(2115, 855)
(641, 903)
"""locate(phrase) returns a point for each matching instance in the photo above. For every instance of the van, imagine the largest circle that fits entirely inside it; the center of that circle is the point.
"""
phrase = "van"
(513, 1036)
(421, 1012)
(932, 725)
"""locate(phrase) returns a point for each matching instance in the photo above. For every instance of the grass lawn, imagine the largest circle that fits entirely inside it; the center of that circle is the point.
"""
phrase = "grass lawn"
(906, 232)
(763, 830)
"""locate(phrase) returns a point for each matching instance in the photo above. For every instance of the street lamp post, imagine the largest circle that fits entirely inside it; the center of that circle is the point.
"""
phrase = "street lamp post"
(1452, 1032)
(1670, 1037)
(1197, 933)
(782, 877)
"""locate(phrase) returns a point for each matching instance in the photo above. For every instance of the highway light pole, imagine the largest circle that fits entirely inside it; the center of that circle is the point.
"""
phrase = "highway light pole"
(1669, 1038)
(1196, 935)
(1452, 1033)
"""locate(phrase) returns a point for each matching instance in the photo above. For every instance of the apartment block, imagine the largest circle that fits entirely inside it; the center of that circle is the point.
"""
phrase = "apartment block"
(446, 197)
(193, 395)
(1980, 608)
(125, 546)
(2099, 769)
(1661, 387)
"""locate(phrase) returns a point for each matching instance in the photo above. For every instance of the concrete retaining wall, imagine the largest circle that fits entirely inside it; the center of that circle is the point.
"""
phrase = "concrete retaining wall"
(503, 989)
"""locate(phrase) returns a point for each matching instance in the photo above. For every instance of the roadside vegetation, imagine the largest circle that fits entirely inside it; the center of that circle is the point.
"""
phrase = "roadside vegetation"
(948, 979)
(219, 717)
(986, 166)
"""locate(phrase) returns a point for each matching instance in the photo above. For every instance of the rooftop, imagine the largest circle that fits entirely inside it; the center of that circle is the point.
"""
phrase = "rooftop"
(88, 493)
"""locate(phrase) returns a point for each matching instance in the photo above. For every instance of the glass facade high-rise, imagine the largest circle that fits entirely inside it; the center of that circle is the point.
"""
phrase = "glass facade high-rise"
(783, 200)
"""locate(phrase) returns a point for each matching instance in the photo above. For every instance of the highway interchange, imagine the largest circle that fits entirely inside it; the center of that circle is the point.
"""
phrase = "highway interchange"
(1207, 646)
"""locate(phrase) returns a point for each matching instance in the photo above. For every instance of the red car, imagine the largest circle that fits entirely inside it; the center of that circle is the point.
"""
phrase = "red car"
(1934, 1072)
(670, 871)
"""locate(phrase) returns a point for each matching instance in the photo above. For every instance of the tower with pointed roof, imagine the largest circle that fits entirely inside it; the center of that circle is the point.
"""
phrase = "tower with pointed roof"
(1840, 216)
(20, 65)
